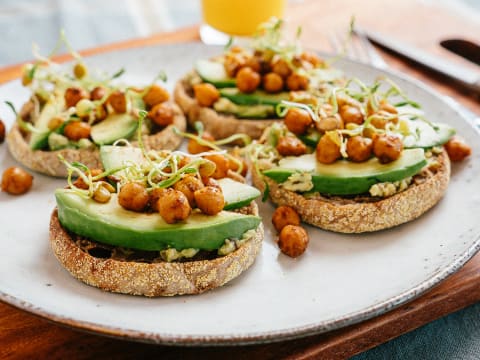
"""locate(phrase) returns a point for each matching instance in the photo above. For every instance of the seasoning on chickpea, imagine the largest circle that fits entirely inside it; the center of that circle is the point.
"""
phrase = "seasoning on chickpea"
(221, 165)
(281, 68)
(97, 93)
(285, 215)
(2, 131)
(351, 114)
(194, 147)
(328, 151)
(272, 83)
(206, 94)
(209, 200)
(73, 95)
(118, 101)
(387, 148)
(155, 195)
(293, 240)
(162, 114)
(296, 82)
(16, 181)
(297, 120)
(359, 148)
(76, 130)
(173, 206)
(234, 164)
(291, 146)
(79, 183)
(155, 95)
(133, 196)
(457, 149)
(188, 186)
(329, 123)
(247, 80)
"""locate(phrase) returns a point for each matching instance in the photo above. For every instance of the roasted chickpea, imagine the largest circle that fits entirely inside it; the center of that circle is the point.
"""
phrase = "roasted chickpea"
(296, 82)
(155, 196)
(329, 123)
(297, 120)
(285, 215)
(312, 58)
(293, 240)
(55, 122)
(79, 183)
(210, 200)
(133, 196)
(379, 121)
(359, 148)
(207, 168)
(97, 93)
(194, 147)
(118, 101)
(76, 130)
(291, 146)
(73, 95)
(188, 185)
(272, 83)
(16, 181)
(234, 164)
(206, 94)
(102, 194)
(233, 64)
(255, 63)
(281, 68)
(2, 131)
(209, 181)
(173, 206)
(162, 114)
(386, 106)
(351, 114)
(387, 148)
(221, 163)
(247, 80)
(100, 113)
(328, 151)
(80, 70)
(457, 149)
(155, 95)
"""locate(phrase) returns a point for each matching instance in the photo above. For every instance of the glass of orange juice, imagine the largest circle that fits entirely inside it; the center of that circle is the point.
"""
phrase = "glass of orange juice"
(240, 17)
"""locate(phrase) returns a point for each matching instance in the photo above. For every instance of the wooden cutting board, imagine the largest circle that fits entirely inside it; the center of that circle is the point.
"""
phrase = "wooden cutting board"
(23, 335)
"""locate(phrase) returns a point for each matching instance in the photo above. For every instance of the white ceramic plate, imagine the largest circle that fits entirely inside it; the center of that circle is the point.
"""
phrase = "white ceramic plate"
(340, 280)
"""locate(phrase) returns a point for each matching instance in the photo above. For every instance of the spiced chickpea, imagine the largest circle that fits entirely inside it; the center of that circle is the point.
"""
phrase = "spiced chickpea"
(162, 114)
(194, 147)
(209, 181)
(233, 64)
(79, 183)
(457, 149)
(118, 101)
(100, 113)
(173, 206)
(329, 123)
(284, 215)
(327, 151)
(359, 148)
(76, 130)
(234, 164)
(312, 58)
(188, 185)
(155, 95)
(281, 68)
(247, 80)
(2, 131)
(133, 196)
(379, 120)
(291, 146)
(386, 106)
(97, 93)
(272, 83)
(154, 196)
(293, 240)
(221, 165)
(209, 200)
(16, 181)
(297, 120)
(351, 114)
(73, 95)
(207, 168)
(387, 148)
(296, 82)
(80, 70)
(206, 94)
(254, 63)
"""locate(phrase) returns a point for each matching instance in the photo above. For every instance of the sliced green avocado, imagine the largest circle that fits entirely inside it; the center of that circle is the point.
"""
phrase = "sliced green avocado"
(225, 105)
(237, 194)
(214, 73)
(258, 97)
(111, 224)
(348, 178)
(116, 126)
(427, 135)
(39, 139)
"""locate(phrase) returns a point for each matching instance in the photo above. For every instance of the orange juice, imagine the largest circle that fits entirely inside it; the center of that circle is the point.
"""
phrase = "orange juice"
(240, 17)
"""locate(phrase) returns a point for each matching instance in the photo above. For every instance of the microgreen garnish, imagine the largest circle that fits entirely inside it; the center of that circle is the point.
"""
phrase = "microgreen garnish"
(118, 74)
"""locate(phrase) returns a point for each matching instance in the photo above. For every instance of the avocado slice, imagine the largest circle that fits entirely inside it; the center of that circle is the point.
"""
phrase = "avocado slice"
(39, 139)
(237, 194)
(116, 126)
(258, 97)
(225, 105)
(111, 224)
(348, 178)
(214, 73)
(426, 135)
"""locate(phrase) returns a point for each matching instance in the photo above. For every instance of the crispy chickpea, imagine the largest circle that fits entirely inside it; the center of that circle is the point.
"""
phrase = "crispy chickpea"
(154, 196)
(293, 240)
(312, 58)
(387, 148)
(102, 194)
(296, 82)
(162, 114)
(281, 68)
(194, 147)
(100, 113)
(80, 70)
(155, 95)
(210, 200)
(328, 151)
(79, 183)
(283, 216)
(55, 122)
(188, 185)
(2, 131)
(329, 123)
(221, 168)
(209, 181)
(118, 101)
(207, 168)
(73, 95)
(379, 121)
(457, 149)
(297, 120)
(206, 94)
(16, 181)
(291, 146)
(351, 114)
(76, 130)
(97, 93)
(247, 80)
(386, 106)
(272, 83)
(359, 148)
(254, 63)
(234, 165)
(133, 196)
(173, 206)
(233, 64)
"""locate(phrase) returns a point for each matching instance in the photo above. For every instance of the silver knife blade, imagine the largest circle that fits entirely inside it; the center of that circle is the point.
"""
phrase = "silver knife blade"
(462, 75)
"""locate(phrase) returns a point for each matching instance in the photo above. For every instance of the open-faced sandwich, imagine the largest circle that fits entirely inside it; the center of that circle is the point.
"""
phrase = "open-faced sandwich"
(154, 223)
(357, 160)
(237, 92)
(72, 114)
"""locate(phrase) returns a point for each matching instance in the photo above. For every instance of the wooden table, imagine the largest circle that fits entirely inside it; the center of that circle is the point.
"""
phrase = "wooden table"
(25, 336)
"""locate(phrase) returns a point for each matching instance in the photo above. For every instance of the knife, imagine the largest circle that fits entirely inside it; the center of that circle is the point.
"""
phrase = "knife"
(465, 48)
(462, 75)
